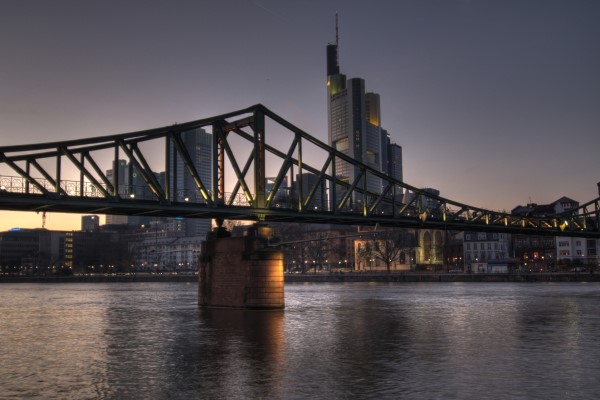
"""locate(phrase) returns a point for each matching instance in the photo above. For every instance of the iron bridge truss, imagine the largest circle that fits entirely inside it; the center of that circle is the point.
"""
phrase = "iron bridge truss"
(71, 176)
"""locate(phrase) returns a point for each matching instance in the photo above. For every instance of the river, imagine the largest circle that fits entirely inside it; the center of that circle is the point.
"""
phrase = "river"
(333, 341)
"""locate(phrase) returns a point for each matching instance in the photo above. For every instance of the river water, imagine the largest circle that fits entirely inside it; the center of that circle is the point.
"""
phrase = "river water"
(333, 341)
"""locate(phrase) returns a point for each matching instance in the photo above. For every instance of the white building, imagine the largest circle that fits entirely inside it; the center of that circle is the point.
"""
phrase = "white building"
(164, 247)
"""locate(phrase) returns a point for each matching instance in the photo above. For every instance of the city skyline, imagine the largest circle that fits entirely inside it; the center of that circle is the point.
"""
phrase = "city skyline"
(494, 103)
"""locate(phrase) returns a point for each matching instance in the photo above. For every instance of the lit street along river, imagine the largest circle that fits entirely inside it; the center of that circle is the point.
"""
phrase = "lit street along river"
(333, 341)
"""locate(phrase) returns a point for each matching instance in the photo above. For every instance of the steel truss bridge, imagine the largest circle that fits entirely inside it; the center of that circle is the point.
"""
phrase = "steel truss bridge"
(301, 186)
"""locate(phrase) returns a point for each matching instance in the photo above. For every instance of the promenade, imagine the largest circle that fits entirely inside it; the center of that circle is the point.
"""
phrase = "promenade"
(324, 277)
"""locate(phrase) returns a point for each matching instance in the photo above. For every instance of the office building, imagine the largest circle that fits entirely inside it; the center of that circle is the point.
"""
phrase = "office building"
(354, 127)
(90, 223)
(198, 143)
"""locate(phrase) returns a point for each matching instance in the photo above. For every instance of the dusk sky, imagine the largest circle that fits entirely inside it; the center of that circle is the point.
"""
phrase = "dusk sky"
(495, 103)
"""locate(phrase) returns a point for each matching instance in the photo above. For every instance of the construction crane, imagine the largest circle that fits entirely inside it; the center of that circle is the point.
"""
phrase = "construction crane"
(43, 219)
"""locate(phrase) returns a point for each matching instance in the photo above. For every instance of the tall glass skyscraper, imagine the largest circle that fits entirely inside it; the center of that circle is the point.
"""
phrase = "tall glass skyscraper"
(354, 126)
(198, 143)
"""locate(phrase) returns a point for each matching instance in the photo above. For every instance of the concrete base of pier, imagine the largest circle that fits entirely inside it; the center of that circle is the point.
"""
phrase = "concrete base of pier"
(240, 272)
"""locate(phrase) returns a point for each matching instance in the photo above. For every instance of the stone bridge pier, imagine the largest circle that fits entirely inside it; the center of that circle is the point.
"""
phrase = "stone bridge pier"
(241, 272)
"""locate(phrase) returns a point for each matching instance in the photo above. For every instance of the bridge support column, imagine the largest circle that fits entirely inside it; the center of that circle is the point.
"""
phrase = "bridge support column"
(240, 272)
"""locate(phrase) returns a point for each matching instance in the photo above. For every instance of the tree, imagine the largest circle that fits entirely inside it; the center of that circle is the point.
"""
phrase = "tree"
(388, 244)
(317, 250)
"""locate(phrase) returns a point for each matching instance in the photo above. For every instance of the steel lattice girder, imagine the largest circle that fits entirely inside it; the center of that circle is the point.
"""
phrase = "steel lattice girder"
(39, 188)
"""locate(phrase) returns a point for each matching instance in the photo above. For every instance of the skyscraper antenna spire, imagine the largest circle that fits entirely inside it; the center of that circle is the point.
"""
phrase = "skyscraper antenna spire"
(336, 29)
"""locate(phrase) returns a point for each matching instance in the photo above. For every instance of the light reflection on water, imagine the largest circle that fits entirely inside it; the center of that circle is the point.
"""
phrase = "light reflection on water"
(410, 341)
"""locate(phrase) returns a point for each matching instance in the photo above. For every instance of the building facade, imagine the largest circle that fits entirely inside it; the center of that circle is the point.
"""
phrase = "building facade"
(486, 252)
(560, 253)
(198, 144)
(90, 223)
(31, 251)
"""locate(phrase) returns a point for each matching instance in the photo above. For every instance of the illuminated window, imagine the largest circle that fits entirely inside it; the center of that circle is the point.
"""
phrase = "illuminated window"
(341, 144)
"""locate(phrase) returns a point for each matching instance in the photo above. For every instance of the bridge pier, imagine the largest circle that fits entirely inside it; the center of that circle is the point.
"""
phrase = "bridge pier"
(240, 272)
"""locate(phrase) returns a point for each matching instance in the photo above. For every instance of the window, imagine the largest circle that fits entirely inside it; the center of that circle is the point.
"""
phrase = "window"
(468, 246)
(489, 246)
(341, 145)
(372, 158)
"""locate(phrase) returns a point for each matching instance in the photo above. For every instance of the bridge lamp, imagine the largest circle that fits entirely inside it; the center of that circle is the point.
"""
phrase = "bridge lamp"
(132, 196)
(186, 199)
(2, 187)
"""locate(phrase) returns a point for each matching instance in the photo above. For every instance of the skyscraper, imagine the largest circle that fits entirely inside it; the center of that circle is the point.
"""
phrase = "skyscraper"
(354, 126)
(120, 169)
(198, 143)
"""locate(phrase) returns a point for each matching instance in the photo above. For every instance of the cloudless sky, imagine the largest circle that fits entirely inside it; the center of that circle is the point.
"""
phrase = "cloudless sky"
(495, 102)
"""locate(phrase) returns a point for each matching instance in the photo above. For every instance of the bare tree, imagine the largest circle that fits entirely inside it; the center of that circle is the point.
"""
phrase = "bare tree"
(317, 251)
(387, 245)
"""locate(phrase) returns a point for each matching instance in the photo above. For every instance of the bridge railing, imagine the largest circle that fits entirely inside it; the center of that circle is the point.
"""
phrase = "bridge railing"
(119, 174)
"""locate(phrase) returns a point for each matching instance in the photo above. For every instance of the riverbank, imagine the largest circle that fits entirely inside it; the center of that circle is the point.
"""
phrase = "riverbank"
(100, 278)
(334, 277)
(420, 277)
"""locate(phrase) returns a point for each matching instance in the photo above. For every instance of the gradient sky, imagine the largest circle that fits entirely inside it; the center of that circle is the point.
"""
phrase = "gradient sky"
(494, 102)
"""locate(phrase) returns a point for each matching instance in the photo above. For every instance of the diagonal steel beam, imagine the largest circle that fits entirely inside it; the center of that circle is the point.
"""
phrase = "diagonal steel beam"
(132, 158)
(285, 166)
(23, 174)
(349, 191)
(320, 181)
(236, 169)
(86, 173)
(381, 196)
(99, 172)
(151, 180)
(47, 176)
(187, 161)
(237, 186)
